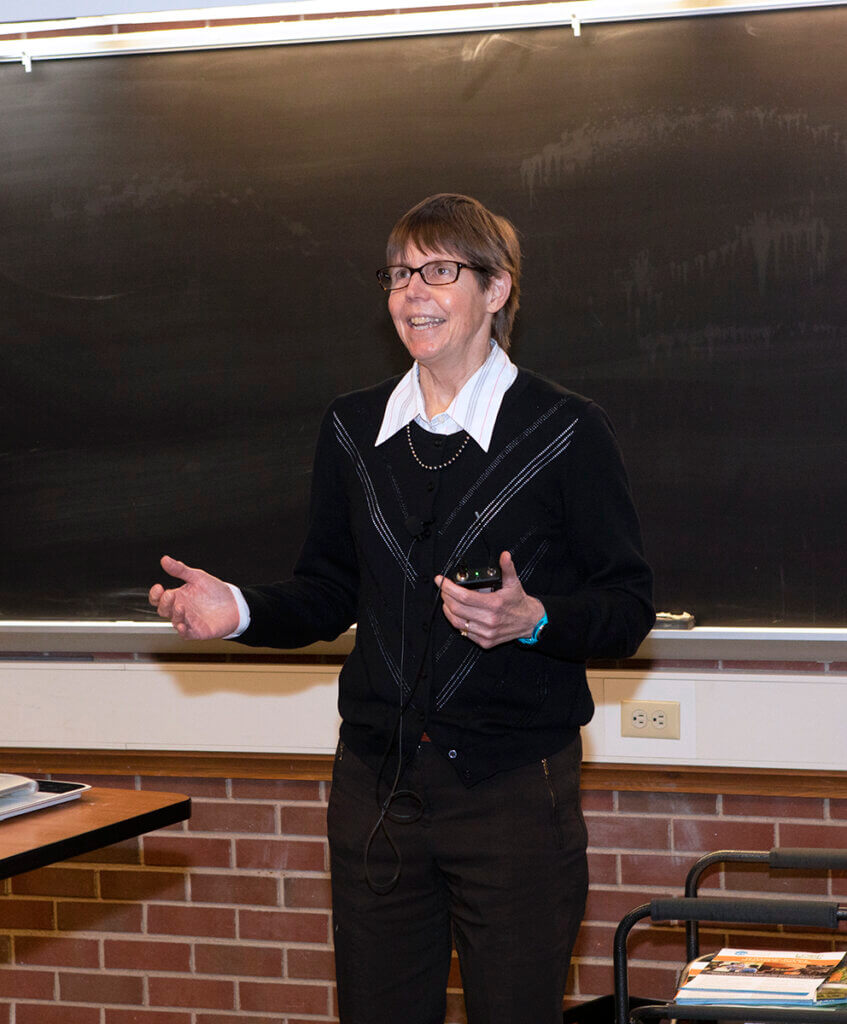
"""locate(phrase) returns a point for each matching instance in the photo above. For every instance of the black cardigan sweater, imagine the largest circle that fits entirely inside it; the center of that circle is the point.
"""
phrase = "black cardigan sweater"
(551, 489)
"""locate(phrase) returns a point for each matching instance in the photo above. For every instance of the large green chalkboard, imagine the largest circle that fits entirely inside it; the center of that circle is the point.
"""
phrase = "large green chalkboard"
(187, 246)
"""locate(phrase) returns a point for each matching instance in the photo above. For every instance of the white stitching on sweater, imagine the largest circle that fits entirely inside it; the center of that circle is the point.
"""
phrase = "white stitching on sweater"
(377, 517)
(458, 677)
(391, 664)
(547, 455)
(498, 459)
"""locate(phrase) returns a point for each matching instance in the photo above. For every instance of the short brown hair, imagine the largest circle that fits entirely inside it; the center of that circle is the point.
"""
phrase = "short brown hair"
(462, 226)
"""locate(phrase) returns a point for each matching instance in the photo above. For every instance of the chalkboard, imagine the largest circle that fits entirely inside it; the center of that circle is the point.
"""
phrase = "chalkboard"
(186, 280)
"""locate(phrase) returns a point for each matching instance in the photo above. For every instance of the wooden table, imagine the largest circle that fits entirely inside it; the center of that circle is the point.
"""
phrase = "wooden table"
(98, 818)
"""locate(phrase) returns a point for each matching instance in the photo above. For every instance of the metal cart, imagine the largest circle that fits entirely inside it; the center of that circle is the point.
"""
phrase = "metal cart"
(695, 910)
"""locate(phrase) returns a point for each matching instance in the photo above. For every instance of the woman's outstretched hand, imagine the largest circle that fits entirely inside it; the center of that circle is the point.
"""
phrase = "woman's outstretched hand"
(202, 608)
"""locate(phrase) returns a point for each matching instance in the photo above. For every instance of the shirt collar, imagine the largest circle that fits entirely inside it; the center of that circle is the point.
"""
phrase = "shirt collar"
(474, 409)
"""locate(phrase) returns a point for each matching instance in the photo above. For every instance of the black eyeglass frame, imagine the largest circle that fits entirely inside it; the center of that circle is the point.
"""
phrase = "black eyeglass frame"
(419, 270)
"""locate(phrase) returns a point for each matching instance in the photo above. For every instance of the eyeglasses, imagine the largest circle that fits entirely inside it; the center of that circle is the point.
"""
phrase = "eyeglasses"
(436, 272)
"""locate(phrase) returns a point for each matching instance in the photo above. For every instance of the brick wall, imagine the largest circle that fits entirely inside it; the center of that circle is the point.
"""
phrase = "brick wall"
(226, 918)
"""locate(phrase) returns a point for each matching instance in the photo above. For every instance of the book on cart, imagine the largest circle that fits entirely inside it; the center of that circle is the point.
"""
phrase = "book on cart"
(766, 977)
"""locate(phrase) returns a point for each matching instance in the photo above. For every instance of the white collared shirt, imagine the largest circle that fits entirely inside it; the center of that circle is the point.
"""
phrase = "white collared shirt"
(474, 409)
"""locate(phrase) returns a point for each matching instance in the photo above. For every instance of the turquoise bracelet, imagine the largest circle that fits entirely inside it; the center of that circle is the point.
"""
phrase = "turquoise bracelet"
(536, 633)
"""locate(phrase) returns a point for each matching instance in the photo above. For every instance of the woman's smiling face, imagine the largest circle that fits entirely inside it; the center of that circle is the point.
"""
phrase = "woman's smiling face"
(445, 327)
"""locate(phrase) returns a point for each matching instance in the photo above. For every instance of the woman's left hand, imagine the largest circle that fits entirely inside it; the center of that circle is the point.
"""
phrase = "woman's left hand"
(494, 617)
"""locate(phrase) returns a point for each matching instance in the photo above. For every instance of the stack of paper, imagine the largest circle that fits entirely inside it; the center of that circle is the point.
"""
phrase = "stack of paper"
(767, 977)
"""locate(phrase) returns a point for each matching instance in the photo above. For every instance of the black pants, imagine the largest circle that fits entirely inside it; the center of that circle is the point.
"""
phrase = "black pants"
(499, 868)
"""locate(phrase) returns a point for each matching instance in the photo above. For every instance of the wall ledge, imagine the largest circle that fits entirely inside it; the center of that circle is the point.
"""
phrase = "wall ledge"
(58, 639)
(595, 775)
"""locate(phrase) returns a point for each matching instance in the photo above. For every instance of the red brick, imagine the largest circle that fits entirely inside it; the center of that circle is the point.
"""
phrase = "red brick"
(233, 816)
(303, 821)
(179, 850)
(142, 885)
(819, 836)
(594, 940)
(610, 905)
(208, 993)
(598, 800)
(240, 959)
(454, 976)
(657, 944)
(41, 1013)
(5, 949)
(283, 926)
(700, 835)
(178, 826)
(55, 952)
(118, 1016)
(79, 882)
(770, 807)
(98, 916)
(29, 915)
(26, 984)
(692, 665)
(627, 832)
(603, 868)
(280, 855)
(667, 804)
(316, 964)
(126, 852)
(226, 1018)
(307, 892)
(653, 983)
(191, 786)
(456, 1013)
(838, 808)
(657, 870)
(757, 878)
(141, 955)
(276, 789)
(283, 998)
(101, 988)
(256, 890)
(772, 666)
(209, 922)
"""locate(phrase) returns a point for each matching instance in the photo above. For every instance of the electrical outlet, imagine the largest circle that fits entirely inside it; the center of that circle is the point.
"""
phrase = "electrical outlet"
(650, 719)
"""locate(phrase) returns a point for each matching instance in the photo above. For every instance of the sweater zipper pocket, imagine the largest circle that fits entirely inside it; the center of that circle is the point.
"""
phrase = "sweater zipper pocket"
(554, 802)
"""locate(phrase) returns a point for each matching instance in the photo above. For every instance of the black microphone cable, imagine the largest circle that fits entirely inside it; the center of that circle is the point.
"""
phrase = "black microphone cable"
(416, 527)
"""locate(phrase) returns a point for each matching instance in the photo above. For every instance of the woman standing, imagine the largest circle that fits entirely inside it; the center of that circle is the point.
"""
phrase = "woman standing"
(475, 521)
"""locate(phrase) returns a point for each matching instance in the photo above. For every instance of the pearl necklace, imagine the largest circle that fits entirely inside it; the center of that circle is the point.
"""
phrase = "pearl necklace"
(441, 465)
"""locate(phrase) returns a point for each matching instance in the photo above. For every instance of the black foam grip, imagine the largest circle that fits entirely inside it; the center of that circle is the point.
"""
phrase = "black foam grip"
(810, 913)
(803, 857)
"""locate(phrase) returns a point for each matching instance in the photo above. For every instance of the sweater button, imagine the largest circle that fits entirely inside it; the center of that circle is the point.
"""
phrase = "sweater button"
(430, 485)
(452, 754)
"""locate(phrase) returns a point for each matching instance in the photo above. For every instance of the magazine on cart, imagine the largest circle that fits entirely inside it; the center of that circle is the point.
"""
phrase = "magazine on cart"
(763, 977)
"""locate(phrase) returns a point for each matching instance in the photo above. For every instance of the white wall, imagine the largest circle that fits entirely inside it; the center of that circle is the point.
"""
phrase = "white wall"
(752, 719)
